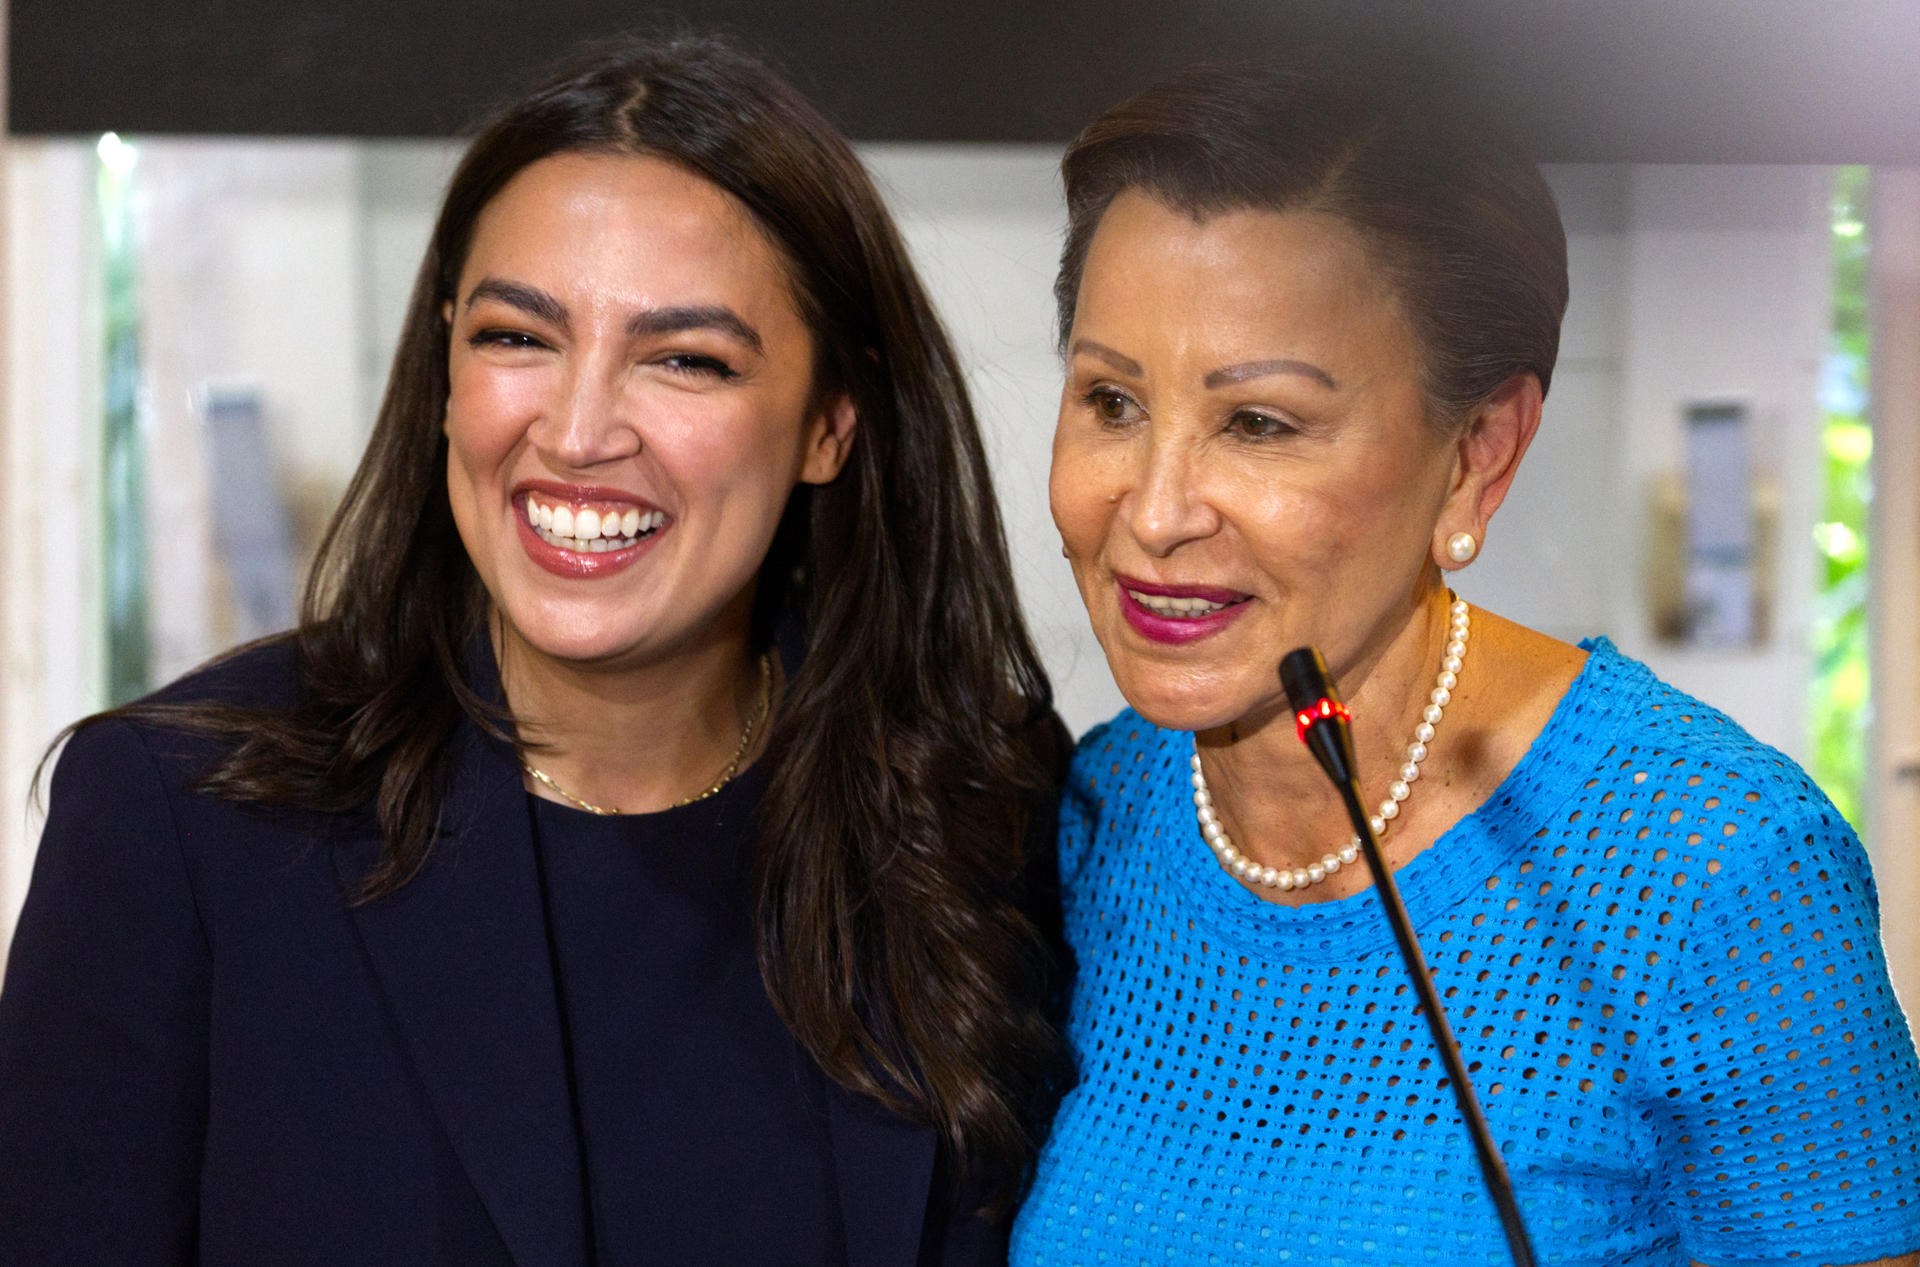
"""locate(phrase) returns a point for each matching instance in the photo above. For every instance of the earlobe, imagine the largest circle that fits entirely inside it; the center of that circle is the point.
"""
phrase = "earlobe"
(1489, 450)
(1455, 550)
(830, 441)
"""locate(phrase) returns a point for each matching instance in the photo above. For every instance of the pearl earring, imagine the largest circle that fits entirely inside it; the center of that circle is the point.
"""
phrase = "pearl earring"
(1461, 547)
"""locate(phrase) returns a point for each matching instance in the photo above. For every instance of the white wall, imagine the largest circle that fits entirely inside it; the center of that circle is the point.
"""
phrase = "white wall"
(1687, 283)
(1544, 556)
(246, 278)
(52, 633)
(400, 185)
(1729, 293)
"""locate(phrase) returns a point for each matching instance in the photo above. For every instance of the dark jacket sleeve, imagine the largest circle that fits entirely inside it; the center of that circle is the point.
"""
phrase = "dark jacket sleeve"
(103, 1024)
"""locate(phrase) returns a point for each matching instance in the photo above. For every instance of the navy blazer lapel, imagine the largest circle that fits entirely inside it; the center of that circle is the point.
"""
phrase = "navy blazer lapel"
(885, 1169)
(461, 953)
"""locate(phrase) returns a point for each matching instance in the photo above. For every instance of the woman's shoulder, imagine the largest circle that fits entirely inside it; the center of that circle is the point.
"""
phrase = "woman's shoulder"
(1588, 702)
(167, 727)
(1122, 767)
(1654, 730)
(1736, 806)
(1119, 747)
(257, 675)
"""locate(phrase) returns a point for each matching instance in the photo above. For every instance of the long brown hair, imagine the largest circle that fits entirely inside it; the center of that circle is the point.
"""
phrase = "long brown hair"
(1448, 203)
(890, 862)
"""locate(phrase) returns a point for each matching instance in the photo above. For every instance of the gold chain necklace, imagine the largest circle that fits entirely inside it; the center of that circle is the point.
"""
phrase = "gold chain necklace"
(726, 775)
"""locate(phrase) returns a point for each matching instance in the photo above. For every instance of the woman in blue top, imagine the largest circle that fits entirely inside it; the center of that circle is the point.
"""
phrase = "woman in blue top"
(1308, 333)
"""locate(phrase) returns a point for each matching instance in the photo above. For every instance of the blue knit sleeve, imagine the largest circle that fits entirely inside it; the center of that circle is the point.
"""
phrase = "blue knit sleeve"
(1080, 801)
(1780, 1082)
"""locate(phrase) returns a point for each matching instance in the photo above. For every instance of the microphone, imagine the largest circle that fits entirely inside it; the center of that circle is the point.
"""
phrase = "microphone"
(1326, 727)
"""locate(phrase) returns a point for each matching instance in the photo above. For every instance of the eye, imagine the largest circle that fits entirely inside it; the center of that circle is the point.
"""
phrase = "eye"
(503, 338)
(1259, 426)
(1112, 406)
(695, 363)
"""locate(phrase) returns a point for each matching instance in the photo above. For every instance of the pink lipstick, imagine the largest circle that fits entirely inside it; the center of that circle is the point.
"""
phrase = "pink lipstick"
(583, 532)
(1177, 614)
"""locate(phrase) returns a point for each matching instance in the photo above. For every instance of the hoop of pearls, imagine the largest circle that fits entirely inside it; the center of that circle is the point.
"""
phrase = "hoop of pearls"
(1284, 878)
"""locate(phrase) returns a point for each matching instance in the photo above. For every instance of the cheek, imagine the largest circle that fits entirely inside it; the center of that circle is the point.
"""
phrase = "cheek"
(1081, 484)
(487, 416)
(732, 467)
(1386, 489)
(1398, 501)
(726, 446)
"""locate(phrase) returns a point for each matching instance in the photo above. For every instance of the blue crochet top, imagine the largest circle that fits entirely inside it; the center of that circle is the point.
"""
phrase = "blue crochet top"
(1657, 943)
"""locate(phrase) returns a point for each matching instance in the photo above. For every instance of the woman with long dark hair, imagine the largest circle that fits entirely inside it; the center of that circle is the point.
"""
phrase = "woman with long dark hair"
(625, 859)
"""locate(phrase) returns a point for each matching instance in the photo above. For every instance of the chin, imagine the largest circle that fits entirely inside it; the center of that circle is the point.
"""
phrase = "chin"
(1175, 701)
(585, 649)
(573, 636)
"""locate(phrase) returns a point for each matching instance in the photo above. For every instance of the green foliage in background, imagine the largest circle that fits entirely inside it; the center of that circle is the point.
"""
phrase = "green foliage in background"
(1840, 700)
(123, 474)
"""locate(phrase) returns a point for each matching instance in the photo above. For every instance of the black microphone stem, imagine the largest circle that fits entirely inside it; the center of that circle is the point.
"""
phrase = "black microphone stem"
(1493, 1167)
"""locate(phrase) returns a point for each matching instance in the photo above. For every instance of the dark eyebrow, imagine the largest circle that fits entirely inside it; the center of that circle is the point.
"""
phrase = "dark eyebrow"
(527, 299)
(1125, 364)
(540, 304)
(694, 317)
(1260, 369)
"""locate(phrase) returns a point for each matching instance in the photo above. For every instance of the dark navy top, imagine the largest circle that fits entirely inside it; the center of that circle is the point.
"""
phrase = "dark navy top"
(703, 1123)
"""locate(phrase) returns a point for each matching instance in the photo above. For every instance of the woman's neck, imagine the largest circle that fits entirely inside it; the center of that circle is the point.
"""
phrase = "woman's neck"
(633, 737)
(1273, 799)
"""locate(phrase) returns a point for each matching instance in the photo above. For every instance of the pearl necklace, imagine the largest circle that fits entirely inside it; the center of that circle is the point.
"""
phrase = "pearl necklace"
(726, 775)
(1285, 878)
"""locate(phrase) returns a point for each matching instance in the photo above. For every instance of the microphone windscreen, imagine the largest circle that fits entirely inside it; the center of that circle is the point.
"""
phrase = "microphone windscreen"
(1303, 675)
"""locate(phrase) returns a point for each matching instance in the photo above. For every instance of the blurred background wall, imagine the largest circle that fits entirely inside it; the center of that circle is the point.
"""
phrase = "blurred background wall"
(210, 230)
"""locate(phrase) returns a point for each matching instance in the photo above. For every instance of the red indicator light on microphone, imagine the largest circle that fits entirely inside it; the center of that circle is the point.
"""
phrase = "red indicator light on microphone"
(1307, 718)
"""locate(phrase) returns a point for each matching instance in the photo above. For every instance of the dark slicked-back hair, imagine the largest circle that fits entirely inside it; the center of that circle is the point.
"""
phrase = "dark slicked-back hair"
(906, 759)
(1457, 215)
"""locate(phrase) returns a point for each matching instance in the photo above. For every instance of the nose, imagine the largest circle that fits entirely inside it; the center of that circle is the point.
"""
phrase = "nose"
(1168, 506)
(589, 421)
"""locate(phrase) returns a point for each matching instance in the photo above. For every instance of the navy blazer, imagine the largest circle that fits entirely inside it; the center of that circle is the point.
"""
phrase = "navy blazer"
(207, 1054)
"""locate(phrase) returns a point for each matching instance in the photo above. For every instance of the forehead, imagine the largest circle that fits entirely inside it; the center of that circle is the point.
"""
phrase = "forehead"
(625, 220)
(1246, 274)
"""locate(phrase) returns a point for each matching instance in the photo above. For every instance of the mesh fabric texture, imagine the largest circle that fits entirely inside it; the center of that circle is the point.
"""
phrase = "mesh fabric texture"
(1657, 943)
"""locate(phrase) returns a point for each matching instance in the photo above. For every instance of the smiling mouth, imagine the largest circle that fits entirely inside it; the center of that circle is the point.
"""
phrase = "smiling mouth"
(590, 527)
(1175, 608)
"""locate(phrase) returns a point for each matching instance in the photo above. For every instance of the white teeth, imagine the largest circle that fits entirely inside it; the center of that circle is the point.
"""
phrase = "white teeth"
(589, 531)
(1164, 605)
(581, 545)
